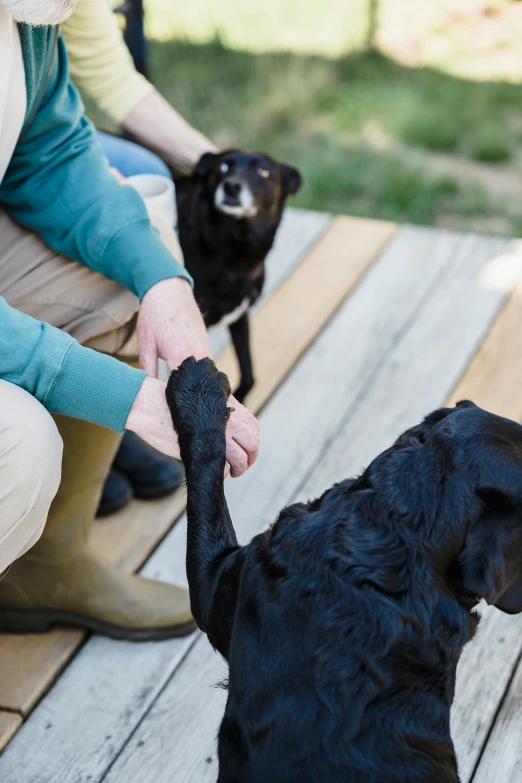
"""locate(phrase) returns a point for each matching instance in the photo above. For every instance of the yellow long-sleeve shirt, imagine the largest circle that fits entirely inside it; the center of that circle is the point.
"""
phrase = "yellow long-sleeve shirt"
(100, 63)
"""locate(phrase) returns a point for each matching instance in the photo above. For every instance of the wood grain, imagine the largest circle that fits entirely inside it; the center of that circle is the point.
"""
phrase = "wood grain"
(483, 673)
(430, 356)
(129, 536)
(10, 722)
(29, 659)
(502, 760)
(494, 377)
(288, 322)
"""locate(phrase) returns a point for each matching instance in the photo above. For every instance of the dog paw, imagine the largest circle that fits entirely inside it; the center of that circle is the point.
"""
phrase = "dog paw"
(197, 395)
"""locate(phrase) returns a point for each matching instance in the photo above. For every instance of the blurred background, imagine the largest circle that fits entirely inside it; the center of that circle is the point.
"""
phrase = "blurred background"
(392, 109)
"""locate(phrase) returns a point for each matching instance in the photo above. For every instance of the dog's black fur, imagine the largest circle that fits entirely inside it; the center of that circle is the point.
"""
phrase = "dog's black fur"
(343, 623)
(225, 253)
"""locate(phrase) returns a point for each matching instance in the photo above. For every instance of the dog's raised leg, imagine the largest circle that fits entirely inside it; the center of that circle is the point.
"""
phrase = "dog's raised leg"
(197, 396)
(240, 333)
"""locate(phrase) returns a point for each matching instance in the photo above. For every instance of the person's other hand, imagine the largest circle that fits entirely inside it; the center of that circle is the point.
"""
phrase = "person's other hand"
(150, 418)
(170, 326)
(119, 176)
(242, 438)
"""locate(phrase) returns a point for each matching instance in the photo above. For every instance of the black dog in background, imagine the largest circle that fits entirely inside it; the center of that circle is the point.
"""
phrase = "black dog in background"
(343, 623)
(229, 210)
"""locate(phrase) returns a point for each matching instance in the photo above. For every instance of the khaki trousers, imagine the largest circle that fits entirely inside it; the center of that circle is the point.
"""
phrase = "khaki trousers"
(97, 312)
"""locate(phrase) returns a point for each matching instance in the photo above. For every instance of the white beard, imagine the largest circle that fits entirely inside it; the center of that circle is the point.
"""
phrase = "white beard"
(40, 12)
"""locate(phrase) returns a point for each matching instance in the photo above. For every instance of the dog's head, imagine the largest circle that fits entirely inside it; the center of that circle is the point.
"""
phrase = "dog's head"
(244, 185)
(475, 458)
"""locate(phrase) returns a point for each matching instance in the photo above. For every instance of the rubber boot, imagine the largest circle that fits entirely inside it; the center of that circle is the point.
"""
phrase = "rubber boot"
(151, 474)
(117, 493)
(62, 580)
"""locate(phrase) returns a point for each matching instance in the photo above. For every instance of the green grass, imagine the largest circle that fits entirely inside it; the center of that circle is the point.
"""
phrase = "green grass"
(490, 146)
(432, 130)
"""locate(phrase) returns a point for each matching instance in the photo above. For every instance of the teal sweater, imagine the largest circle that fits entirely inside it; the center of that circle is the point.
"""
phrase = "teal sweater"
(58, 185)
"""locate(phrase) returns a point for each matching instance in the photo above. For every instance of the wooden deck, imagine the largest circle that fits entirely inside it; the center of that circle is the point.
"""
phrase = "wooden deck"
(364, 327)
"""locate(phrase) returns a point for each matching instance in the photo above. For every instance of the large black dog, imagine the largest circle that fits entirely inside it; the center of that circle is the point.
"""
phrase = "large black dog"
(343, 623)
(229, 210)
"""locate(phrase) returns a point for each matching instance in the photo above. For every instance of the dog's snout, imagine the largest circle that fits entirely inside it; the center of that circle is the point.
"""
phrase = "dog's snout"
(232, 187)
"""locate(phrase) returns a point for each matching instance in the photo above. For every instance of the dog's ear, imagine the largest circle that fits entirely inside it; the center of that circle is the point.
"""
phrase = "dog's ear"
(291, 179)
(420, 433)
(205, 164)
(491, 560)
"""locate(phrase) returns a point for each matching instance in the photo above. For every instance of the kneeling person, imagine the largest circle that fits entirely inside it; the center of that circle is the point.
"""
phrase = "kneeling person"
(82, 274)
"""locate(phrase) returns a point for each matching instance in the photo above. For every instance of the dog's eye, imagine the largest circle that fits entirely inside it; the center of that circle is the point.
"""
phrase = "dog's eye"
(264, 173)
(224, 167)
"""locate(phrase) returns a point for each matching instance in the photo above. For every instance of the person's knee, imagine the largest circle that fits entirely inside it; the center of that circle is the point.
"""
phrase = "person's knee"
(30, 467)
(39, 456)
(43, 450)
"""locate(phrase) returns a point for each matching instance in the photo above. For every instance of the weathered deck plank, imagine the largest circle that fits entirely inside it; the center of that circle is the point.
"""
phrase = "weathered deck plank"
(374, 234)
(494, 376)
(10, 722)
(492, 380)
(502, 759)
(417, 387)
(483, 675)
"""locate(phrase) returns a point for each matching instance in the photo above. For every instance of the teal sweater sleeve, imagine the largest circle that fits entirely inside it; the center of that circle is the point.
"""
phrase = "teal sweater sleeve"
(58, 185)
(62, 375)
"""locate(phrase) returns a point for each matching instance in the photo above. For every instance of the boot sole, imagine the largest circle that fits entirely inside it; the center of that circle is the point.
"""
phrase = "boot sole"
(43, 620)
(149, 491)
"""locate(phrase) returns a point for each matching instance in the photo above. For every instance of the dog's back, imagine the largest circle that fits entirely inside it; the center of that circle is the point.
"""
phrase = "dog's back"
(329, 671)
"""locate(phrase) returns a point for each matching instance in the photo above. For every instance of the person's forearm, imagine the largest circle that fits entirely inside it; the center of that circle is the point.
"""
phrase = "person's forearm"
(155, 124)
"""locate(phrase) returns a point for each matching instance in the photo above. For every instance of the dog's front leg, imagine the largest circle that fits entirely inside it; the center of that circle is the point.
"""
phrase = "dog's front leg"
(197, 396)
(240, 333)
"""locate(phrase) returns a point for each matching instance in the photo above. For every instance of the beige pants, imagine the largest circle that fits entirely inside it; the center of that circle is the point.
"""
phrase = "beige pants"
(99, 313)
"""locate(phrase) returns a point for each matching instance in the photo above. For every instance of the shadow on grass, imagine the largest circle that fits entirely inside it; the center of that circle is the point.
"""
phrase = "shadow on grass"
(350, 124)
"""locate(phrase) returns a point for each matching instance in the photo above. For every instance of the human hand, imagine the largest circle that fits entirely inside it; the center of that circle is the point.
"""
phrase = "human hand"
(119, 176)
(242, 435)
(150, 418)
(170, 326)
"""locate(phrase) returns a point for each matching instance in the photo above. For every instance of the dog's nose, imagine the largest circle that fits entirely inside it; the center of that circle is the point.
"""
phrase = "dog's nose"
(232, 187)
